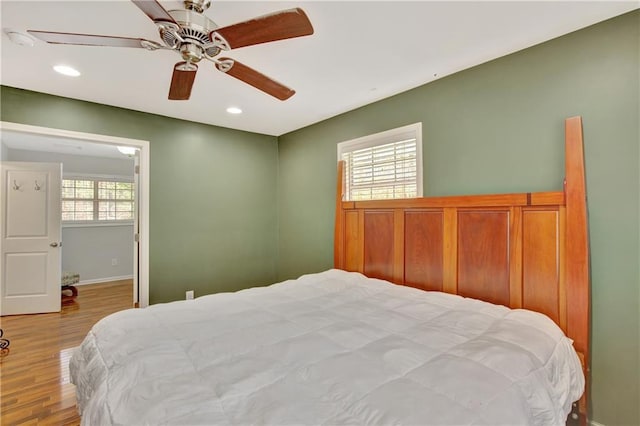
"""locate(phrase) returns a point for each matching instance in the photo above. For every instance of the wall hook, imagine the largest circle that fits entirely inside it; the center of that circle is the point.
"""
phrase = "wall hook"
(16, 187)
(38, 187)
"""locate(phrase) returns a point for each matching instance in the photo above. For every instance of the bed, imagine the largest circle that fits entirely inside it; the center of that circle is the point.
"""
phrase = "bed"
(449, 310)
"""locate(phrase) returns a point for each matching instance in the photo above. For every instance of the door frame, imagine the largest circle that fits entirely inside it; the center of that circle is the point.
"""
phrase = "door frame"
(143, 202)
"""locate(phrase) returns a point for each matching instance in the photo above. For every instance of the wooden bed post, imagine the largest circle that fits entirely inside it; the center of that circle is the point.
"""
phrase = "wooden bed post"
(577, 247)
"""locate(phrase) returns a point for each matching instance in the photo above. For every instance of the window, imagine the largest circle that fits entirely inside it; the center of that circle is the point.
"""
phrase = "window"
(385, 165)
(97, 199)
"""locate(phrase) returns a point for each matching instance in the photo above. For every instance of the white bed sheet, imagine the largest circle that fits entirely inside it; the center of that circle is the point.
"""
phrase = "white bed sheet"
(331, 348)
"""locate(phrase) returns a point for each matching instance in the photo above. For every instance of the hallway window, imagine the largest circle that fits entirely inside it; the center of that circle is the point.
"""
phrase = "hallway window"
(97, 200)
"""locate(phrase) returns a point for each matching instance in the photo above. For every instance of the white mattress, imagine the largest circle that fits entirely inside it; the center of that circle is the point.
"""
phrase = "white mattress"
(331, 348)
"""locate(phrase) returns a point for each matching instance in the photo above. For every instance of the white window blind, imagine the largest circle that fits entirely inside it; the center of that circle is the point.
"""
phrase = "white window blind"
(385, 165)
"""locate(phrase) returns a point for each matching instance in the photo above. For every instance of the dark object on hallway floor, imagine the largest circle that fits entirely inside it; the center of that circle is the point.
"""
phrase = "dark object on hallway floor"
(65, 293)
(4, 344)
(69, 292)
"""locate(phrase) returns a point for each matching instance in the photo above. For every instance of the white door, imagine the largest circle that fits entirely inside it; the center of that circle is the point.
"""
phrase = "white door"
(30, 270)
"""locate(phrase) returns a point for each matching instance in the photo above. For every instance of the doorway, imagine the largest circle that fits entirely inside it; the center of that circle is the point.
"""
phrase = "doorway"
(141, 230)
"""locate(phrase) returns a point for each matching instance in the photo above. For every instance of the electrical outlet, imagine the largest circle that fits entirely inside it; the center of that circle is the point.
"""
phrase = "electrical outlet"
(114, 262)
(190, 295)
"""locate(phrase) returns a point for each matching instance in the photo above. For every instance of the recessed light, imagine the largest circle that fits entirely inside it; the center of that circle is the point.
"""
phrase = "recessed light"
(66, 70)
(234, 110)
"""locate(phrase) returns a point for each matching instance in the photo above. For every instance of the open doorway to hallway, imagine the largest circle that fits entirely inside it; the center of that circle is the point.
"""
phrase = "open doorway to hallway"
(105, 202)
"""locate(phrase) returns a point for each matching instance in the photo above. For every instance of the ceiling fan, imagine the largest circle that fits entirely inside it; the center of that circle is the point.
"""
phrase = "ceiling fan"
(196, 37)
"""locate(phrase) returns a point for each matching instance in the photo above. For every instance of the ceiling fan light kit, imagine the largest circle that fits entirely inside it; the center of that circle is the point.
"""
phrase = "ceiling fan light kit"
(196, 37)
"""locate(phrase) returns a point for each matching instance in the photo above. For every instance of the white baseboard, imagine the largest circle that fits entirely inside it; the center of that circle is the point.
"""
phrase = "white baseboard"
(592, 423)
(104, 280)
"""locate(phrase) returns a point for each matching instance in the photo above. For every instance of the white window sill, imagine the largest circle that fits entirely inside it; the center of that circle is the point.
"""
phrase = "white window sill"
(93, 224)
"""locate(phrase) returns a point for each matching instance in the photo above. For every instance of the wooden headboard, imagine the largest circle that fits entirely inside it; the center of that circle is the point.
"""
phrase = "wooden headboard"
(527, 250)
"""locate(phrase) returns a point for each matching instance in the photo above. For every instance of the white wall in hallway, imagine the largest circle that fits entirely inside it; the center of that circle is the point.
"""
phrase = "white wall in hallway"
(90, 251)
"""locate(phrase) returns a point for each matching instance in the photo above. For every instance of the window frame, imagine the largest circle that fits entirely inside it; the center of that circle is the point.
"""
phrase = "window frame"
(387, 137)
(95, 221)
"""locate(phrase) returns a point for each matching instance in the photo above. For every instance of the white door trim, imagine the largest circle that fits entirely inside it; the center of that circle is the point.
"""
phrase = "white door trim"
(143, 146)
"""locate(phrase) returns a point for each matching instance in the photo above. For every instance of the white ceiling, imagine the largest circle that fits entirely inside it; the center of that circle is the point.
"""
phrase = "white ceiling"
(362, 51)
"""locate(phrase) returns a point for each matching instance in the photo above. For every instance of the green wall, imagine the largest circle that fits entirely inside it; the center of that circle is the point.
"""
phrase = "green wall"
(213, 208)
(499, 127)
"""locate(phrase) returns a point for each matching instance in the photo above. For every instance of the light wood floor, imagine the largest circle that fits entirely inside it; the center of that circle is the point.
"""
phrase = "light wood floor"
(34, 375)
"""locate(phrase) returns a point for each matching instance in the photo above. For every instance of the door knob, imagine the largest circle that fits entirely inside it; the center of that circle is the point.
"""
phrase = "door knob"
(54, 244)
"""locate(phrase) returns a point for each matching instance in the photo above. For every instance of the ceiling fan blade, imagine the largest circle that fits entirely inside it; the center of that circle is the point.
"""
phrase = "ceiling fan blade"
(276, 26)
(154, 10)
(182, 80)
(88, 39)
(255, 79)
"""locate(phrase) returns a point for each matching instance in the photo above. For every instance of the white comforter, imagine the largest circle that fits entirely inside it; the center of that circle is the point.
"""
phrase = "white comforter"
(331, 348)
